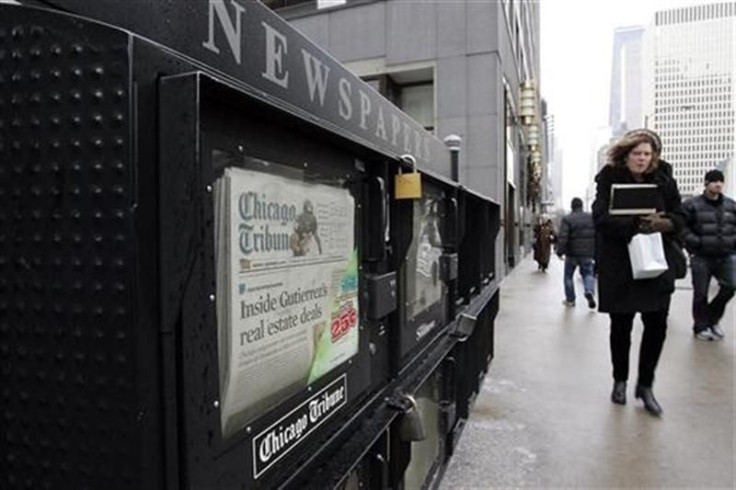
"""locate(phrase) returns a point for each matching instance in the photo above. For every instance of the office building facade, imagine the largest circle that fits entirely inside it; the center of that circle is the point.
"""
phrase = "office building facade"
(456, 68)
(692, 90)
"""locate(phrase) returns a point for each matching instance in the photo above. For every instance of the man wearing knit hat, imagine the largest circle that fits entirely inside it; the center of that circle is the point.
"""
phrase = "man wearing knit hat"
(710, 237)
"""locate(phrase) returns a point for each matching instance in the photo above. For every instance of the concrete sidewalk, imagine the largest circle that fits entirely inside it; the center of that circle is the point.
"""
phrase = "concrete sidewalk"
(543, 418)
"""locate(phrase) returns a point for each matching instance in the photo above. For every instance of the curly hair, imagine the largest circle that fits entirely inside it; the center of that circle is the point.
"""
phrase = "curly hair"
(655, 137)
(619, 151)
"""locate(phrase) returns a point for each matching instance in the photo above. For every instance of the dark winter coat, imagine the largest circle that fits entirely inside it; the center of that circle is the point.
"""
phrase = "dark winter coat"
(577, 235)
(618, 292)
(710, 226)
(544, 236)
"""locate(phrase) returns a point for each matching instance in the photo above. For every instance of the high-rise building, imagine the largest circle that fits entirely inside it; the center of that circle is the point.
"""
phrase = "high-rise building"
(552, 172)
(691, 93)
(625, 109)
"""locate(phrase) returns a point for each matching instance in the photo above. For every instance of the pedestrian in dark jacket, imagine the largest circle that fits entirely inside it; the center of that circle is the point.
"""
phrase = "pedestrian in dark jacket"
(662, 166)
(710, 237)
(633, 159)
(576, 242)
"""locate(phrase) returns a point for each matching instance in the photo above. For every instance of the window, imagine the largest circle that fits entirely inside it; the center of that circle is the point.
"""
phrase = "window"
(416, 98)
(320, 4)
(325, 4)
(418, 101)
(276, 4)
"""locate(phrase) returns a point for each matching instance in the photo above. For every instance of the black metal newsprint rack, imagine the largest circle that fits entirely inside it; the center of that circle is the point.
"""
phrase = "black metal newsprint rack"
(222, 265)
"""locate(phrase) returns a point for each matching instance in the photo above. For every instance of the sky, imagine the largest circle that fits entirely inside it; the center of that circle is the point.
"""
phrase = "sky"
(576, 55)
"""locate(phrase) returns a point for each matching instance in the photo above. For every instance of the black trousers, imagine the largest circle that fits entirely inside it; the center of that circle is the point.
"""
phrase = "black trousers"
(706, 314)
(655, 331)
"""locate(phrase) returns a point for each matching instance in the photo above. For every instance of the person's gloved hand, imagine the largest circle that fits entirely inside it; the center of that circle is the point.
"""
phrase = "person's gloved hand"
(656, 222)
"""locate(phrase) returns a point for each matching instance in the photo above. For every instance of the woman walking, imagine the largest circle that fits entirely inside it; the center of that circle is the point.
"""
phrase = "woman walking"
(544, 236)
(635, 159)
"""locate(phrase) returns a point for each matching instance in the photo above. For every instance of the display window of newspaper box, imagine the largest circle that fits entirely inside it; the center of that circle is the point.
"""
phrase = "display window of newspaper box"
(424, 308)
(286, 357)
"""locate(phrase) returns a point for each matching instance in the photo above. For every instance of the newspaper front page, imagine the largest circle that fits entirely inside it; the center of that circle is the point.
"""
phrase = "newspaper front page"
(288, 282)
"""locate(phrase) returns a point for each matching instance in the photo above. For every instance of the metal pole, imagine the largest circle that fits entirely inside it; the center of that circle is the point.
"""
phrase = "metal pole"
(453, 142)
(455, 164)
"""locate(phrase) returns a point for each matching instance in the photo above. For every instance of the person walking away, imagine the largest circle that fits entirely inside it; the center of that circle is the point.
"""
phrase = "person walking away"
(710, 238)
(576, 242)
(544, 236)
(633, 159)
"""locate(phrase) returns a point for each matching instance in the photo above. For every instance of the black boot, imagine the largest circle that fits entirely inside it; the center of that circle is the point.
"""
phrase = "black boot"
(618, 395)
(650, 403)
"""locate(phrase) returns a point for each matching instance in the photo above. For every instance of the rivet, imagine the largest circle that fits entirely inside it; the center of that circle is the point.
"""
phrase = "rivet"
(216, 403)
(212, 297)
(209, 188)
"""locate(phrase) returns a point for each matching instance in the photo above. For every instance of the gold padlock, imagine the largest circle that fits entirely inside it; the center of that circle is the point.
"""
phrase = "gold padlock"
(408, 186)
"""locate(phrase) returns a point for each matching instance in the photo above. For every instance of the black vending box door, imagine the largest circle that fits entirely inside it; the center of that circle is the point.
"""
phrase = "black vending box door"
(272, 354)
(420, 234)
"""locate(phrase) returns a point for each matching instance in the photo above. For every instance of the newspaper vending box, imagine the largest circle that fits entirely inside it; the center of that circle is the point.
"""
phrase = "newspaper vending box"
(206, 278)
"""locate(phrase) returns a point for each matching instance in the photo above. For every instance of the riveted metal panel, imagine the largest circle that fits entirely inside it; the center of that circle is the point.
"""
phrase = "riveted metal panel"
(67, 376)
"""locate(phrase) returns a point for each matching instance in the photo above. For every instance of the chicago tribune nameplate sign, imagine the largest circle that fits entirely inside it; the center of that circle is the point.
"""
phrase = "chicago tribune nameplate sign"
(289, 431)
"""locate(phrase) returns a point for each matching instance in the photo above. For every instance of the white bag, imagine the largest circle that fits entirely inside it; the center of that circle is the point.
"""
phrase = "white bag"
(646, 252)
